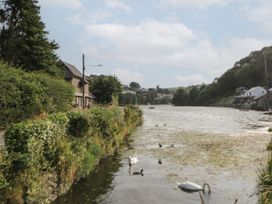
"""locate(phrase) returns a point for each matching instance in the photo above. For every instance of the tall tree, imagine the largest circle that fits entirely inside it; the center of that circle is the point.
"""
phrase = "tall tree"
(105, 88)
(181, 98)
(23, 39)
(134, 86)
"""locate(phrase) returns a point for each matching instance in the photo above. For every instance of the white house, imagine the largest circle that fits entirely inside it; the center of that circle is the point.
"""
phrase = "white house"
(255, 92)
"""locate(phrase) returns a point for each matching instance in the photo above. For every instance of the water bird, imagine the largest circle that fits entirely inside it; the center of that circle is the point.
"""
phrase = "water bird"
(172, 145)
(193, 187)
(236, 201)
(160, 145)
(132, 160)
(160, 161)
(139, 172)
(164, 124)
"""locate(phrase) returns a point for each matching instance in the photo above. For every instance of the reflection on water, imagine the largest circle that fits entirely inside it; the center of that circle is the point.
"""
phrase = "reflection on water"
(87, 190)
(221, 146)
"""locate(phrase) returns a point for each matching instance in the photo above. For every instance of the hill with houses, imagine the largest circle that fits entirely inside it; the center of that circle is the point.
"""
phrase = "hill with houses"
(246, 74)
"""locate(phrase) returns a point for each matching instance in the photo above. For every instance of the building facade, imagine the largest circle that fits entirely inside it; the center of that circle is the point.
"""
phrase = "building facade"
(75, 77)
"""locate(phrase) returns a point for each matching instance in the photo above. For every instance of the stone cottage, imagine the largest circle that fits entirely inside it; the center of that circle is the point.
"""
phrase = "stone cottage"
(74, 76)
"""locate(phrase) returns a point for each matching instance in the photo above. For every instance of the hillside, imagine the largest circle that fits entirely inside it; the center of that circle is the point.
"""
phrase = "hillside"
(247, 72)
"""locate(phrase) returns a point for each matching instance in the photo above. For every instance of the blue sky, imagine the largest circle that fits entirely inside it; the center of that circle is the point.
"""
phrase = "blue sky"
(158, 42)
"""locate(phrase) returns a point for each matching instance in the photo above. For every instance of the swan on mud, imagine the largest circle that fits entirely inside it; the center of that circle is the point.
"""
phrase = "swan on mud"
(132, 160)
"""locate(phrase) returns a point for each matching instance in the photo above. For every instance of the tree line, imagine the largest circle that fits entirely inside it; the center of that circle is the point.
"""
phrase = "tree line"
(134, 94)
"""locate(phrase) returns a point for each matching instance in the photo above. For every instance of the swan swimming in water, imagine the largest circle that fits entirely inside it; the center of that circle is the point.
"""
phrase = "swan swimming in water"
(193, 187)
(132, 160)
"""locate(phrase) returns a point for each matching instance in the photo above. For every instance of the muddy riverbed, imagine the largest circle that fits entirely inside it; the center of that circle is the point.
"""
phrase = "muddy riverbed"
(222, 146)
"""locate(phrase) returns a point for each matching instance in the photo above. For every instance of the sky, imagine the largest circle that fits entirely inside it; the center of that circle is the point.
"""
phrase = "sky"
(170, 43)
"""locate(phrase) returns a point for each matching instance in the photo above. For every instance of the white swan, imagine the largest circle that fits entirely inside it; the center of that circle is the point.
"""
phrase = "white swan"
(132, 160)
(193, 187)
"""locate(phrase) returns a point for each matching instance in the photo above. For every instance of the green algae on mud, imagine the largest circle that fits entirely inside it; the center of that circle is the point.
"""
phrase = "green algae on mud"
(217, 150)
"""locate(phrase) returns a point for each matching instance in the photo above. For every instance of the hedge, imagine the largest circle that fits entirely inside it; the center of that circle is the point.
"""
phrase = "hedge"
(24, 95)
(42, 158)
(265, 180)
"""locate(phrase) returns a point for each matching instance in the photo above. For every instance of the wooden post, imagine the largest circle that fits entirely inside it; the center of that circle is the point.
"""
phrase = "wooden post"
(267, 82)
(83, 77)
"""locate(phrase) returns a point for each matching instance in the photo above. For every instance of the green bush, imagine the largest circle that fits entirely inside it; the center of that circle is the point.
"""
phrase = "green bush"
(90, 159)
(132, 114)
(61, 148)
(24, 95)
(32, 143)
(78, 124)
(265, 180)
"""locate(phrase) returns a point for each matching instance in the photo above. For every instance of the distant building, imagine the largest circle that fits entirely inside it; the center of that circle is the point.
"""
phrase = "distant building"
(260, 102)
(255, 92)
(254, 98)
(74, 76)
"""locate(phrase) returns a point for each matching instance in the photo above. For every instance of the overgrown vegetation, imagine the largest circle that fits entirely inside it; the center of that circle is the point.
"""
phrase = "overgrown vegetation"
(24, 95)
(265, 183)
(42, 158)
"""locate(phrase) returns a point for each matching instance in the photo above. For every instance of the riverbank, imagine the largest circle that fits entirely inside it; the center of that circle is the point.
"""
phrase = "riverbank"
(222, 146)
(43, 158)
(265, 183)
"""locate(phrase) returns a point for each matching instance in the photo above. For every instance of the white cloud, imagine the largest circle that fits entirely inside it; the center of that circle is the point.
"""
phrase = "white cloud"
(145, 42)
(200, 4)
(84, 19)
(71, 4)
(191, 80)
(261, 13)
(118, 4)
(126, 76)
(159, 44)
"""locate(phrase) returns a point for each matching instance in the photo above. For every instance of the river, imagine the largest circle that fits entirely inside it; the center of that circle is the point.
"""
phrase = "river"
(222, 146)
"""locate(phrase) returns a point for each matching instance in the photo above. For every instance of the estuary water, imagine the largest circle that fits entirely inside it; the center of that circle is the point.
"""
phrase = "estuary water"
(221, 146)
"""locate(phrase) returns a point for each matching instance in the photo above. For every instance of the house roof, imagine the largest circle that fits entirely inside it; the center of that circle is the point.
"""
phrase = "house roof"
(73, 69)
(255, 88)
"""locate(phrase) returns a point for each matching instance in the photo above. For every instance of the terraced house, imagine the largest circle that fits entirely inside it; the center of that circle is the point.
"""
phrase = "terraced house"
(75, 77)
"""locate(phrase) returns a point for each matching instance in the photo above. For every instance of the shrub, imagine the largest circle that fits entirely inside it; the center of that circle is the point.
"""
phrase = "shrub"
(24, 95)
(265, 180)
(90, 159)
(78, 124)
(32, 143)
(41, 152)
